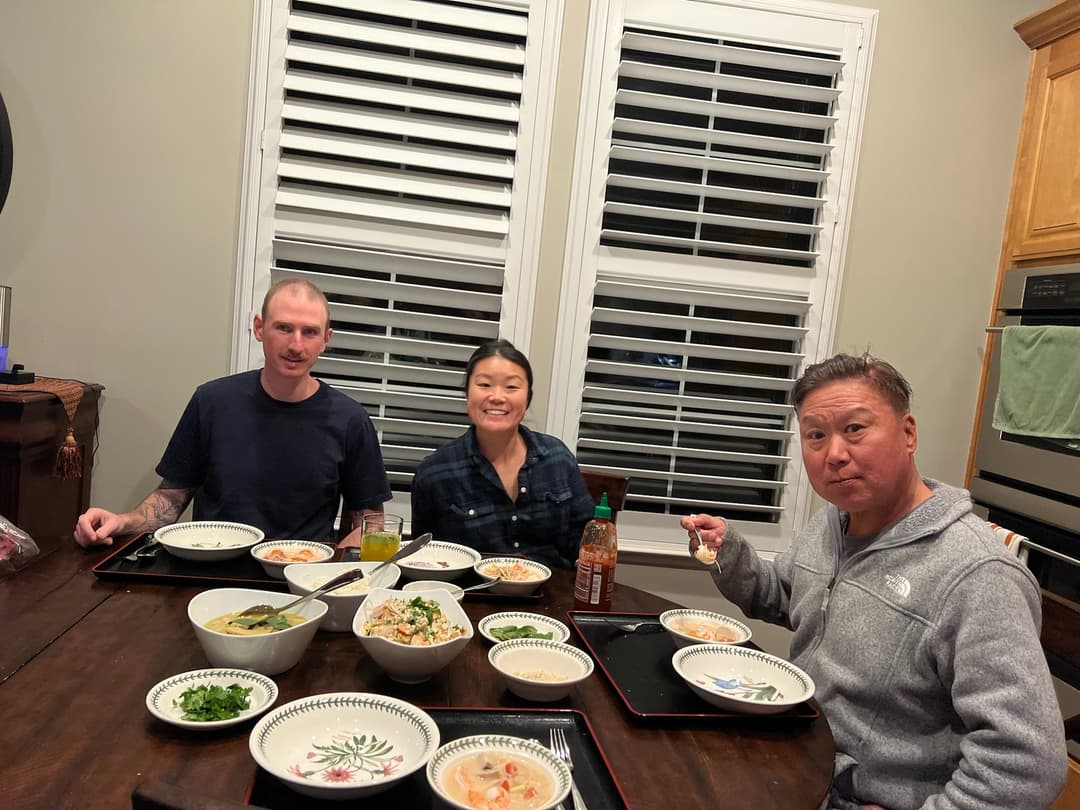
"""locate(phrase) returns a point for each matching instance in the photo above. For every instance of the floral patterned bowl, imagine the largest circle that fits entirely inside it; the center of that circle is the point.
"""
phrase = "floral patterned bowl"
(741, 679)
(344, 745)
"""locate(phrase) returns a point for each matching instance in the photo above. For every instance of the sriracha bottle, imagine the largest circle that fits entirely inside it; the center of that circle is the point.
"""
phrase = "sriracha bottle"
(595, 581)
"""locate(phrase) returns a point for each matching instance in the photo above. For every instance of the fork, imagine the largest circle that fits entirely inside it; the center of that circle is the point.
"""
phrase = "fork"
(560, 749)
(632, 627)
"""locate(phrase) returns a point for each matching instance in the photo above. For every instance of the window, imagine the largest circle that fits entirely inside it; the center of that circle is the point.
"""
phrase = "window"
(395, 152)
(713, 178)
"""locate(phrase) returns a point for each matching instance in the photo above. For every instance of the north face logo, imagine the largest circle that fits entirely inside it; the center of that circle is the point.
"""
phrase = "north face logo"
(898, 585)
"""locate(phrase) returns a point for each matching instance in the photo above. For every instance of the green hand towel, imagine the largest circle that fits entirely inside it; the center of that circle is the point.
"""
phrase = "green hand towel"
(1039, 392)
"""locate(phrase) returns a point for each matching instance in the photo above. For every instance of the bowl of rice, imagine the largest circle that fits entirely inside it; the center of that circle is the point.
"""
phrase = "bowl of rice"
(343, 602)
(538, 669)
(412, 636)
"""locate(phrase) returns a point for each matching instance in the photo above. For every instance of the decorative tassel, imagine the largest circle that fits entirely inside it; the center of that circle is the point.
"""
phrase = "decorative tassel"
(69, 458)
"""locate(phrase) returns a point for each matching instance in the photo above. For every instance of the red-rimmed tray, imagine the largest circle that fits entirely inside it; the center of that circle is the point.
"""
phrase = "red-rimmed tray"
(638, 666)
(243, 571)
(592, 772)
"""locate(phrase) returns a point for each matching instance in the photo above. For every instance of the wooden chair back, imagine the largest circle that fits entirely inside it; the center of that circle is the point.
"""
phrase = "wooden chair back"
(614, 485)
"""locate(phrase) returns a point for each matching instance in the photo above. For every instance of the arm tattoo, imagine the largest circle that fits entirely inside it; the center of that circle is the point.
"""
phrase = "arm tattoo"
(163, 506)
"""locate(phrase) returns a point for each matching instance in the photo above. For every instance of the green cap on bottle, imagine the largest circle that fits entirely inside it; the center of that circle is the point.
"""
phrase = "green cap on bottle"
(602, 509)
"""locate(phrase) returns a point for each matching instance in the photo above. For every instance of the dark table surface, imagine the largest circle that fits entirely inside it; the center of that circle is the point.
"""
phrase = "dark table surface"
(78, 655)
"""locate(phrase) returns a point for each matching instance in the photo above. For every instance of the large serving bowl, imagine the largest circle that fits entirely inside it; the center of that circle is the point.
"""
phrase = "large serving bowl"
(687, 626)
(439, 560)
(407, 663)
(541, 670)
(518, 619)
(741, 679)
(343, 603)
(318, 552)
(344, 745)
(270, 653)
(208, 540)
(442, 766)
(519, 577)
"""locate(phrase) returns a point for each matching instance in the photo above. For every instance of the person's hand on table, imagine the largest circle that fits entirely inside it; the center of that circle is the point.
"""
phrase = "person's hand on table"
(97, 527)
(711, 530)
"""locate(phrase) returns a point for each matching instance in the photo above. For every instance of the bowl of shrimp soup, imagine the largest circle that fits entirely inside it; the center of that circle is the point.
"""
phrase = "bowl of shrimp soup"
(517, 576)
(274, 555)
(412, 635)
(497, 770)
(688, 626)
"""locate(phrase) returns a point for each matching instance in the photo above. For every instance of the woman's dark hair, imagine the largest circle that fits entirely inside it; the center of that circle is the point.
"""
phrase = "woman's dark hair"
(506, 350)
(879, 375)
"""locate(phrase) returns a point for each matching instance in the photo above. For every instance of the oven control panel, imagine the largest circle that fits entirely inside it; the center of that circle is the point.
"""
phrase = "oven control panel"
(1052, 292)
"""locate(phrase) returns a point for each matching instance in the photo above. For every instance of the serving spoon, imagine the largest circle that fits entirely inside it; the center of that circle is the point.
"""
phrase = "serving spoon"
(266, 611)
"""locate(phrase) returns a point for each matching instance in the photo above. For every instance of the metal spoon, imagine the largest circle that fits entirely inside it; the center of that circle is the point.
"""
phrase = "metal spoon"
(146, 550)
(697, 534)
(482, 585)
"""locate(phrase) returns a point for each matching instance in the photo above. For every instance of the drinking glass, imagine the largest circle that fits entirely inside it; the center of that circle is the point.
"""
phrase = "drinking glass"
(380, 536)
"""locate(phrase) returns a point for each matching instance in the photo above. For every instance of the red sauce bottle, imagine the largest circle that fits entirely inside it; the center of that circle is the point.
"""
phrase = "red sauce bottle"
(595, 583)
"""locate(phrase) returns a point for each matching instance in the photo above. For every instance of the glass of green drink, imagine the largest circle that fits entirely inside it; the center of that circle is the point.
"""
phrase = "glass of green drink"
(380, 537)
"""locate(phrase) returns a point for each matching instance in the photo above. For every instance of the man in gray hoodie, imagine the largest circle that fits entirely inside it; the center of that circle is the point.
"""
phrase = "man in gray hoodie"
(920, 630)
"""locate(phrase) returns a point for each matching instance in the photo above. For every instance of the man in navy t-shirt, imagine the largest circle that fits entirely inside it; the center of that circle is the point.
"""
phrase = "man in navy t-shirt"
(274, 448)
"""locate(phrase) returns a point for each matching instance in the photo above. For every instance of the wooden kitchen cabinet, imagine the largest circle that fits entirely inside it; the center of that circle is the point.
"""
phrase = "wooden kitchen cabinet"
(1046, 189)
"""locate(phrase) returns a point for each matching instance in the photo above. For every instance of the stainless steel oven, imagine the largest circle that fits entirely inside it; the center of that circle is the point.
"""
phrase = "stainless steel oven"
(1029, 485)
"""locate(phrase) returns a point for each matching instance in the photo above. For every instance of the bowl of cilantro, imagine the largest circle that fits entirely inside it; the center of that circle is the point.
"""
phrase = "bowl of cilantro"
(511, 624)
(208, 699)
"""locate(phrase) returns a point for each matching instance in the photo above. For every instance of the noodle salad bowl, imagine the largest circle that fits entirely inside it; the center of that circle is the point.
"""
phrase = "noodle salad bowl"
(399, 657)
(344, 745)
(518, 576)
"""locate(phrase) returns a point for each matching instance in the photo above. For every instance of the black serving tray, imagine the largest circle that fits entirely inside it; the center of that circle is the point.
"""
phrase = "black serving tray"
(240, 572)
(591, 769)
(638, 666)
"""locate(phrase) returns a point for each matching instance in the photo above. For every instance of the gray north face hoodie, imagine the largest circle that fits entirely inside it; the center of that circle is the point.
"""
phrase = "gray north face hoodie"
(924, 649)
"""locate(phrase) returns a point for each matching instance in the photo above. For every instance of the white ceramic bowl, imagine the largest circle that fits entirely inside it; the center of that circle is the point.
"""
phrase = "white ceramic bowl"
(270, 653)
(687, 626)
(513, 618)
(208, 540)
(304, 578)
(741, 679)
(536, 669)
(439, 560)
(538, 573)
(159, 700)
(434, 585)
(447, 758)
(403, 662)
(273, 568)
(314, 744)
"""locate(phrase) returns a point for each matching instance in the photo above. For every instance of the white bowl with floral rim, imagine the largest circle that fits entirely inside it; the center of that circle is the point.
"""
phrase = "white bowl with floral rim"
(742, 679)
(344, 745)
(291, 551)
(455, 754)
(439, 560)
(518, 575)
(515, 621)
(164, 698)
(688, 626)
(208, 540)
(538, 669)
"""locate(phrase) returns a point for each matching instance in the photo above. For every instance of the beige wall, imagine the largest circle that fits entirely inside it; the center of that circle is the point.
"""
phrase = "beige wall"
(119, 234)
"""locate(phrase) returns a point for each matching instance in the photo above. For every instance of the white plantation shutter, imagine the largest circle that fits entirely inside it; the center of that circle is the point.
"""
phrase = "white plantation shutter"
(710, 216)
(400, 145)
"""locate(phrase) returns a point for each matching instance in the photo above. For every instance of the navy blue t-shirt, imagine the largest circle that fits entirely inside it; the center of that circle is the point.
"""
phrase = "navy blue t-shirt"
(281, 466)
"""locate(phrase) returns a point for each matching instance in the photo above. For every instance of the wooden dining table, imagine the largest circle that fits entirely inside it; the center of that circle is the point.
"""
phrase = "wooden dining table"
(78, 655)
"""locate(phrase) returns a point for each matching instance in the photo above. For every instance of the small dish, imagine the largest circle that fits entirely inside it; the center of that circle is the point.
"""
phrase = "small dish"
(208, 540)
(520, 576)
(688, 626)
(742, 679)
(513, 618)
(540, 670)
(441, 767)
(455, 591)
(439, 560)
(320, 553)
(159, 700)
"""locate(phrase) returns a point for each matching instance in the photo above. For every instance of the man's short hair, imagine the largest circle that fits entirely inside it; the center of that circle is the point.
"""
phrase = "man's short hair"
(301, 286)
(881, 376)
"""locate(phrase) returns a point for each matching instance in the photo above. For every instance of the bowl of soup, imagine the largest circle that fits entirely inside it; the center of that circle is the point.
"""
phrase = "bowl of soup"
(231, 640)
(275, 555)
(742, 679)
(688, 626)
(517, 576)
(344, 745)
(511, 773)
(343, 602)
(439, 560)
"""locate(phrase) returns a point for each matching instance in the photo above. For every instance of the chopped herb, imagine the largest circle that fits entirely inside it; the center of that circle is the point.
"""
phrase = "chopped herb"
(212, 702)
(275, 620)
(513, 631)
